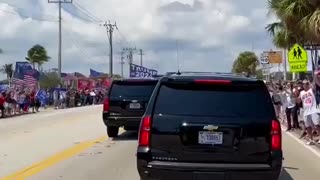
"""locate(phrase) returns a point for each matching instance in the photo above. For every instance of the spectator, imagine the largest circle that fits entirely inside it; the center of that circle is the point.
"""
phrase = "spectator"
(92, 97)
(2, 101)
(21, 101)
(33, 100)
(56, 99)
(77, 99)
(26, 103)
(311, 111)
(291, 108)
(276, 101)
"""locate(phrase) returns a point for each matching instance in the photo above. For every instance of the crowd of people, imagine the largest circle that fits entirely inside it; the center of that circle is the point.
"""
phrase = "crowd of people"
(15, 102)
(76, 98)
(296, 105)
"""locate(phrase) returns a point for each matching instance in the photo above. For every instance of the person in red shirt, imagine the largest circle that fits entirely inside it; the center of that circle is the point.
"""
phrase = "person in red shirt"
(2, 101)
(33, 100)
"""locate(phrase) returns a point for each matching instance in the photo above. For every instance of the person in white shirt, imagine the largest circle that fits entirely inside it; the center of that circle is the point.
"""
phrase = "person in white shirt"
(311, 111)
(291, 109)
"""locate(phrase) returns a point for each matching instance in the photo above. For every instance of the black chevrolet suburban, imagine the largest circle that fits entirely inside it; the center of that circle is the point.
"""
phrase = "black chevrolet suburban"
(125, 104)
(201, 126)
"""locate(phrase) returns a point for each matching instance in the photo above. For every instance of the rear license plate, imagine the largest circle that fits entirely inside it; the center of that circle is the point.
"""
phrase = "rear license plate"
(207, 137)
(134, 106)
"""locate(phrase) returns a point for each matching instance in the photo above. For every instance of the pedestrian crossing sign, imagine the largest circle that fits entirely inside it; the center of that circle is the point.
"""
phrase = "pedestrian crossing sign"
(297, 54)
(298, 67)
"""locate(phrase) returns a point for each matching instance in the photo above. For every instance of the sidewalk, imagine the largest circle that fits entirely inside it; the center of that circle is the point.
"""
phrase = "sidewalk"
(297, 132)
(48, 109)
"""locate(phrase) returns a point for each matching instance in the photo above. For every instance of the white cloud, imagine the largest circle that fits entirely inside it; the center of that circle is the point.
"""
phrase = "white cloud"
(212, 32)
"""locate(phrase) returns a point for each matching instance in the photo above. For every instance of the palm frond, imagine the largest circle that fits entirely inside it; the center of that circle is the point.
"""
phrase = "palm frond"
(314, 23)
(274, 27)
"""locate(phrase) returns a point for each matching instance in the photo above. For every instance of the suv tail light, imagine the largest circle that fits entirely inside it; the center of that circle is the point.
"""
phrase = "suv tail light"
(276, 141)
(212, 81)
(144, 134)
(106, 105)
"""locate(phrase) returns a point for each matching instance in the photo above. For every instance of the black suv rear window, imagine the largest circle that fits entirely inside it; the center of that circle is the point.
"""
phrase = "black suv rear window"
(218, 101)
(132, 89)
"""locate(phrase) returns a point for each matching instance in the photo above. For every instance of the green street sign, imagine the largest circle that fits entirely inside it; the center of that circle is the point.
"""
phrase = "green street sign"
(298, 67)
(297, 54)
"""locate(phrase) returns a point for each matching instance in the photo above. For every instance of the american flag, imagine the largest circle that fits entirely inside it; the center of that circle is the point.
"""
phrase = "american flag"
(29, 81)
(18, 83)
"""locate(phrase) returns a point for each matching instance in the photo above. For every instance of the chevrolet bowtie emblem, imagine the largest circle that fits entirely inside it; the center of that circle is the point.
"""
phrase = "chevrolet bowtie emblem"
(210, 127)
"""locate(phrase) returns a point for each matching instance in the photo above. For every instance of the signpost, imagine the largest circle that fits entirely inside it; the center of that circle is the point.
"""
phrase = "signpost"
(274, 57)
(264, 61)
(298, 59)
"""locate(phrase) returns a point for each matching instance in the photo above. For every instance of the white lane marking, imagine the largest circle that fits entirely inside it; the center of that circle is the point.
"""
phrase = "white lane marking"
(313, 149)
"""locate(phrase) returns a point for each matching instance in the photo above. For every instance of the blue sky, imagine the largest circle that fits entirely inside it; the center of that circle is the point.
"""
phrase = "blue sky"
(210, 32)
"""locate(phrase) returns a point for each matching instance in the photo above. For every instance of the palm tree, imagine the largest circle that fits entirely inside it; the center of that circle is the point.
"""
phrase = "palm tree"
(282, 36)
(299, 23)
(8, 70)
(37, 55)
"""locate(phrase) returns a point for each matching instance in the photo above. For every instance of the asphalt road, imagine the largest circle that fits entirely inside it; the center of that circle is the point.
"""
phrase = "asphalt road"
(72, 144)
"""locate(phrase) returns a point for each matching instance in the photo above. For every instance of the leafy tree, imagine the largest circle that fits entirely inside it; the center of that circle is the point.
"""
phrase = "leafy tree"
(37, 55)
(259, 74)
(8, 70)
(49, 80)
(246, 62)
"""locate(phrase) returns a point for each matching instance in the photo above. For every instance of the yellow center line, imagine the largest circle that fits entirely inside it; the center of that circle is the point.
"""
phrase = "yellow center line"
(44, 164)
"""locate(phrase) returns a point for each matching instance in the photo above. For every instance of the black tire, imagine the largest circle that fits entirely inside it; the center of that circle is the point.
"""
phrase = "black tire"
(112, 131)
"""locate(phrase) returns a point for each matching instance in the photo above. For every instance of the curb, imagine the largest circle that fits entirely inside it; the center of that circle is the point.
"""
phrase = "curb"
(294, 134)
(314, 149)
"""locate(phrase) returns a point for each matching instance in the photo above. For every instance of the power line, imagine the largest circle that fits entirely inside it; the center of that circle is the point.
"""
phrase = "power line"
(85, 11)
(90, 19)
(75, 41)
(19, 12)
(124, 38)
(24, 16)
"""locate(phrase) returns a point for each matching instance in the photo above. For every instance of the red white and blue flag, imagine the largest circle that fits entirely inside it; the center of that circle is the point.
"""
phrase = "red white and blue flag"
(29, 81)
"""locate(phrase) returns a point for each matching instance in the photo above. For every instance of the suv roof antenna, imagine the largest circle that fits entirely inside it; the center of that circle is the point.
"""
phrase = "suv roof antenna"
(178, 73)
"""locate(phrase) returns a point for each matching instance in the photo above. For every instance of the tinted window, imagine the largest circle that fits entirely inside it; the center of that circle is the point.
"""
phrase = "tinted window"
(132, 89)
(253, 101)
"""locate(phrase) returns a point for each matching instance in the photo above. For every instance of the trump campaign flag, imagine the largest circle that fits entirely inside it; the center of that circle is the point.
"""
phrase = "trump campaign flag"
(94, 73)
(140, 71)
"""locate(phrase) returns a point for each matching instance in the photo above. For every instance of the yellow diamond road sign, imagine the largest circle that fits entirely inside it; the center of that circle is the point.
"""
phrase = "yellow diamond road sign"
(297, 54)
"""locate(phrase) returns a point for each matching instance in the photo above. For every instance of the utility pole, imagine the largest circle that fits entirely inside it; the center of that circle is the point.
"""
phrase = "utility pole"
(141, 56)
(130, 56)
(122, 62)
(59, 2)
(110, 28)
